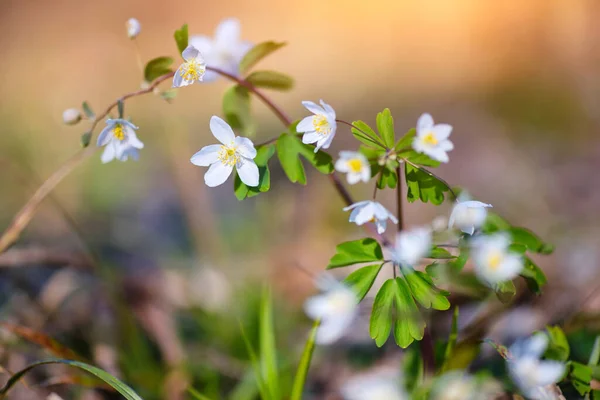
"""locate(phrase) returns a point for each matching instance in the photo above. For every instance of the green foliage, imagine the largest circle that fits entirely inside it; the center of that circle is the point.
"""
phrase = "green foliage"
(181, 38)
(405, 141)
(580, 376)
(365, 134)
(385, 126)
(355, 252)
(86, 139)
(362, 279)
(423, 185)
(157, 67)
(558, 346)
(236, 109)
(451, 344)
(87, 110)
(304, 365)
(268, 352)
(530, 240)
(289, 150)
(425, 292)
(533, 275)
(263, 155)
(505, 291)
(440, 253)
(407, 324)
(115, 383)
(271, 80)
(197, 395)
(412, 367)
(257, 53)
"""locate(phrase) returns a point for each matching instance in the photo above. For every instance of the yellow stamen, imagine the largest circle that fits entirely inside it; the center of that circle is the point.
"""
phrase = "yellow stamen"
(494, 260)
(228, 155)
(321, 124)
(119, 132)
(430, 139)
(355, 165)
(192, 70)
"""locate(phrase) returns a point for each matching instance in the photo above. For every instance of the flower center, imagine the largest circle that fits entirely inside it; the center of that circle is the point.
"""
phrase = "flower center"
(494, 260)
(119, 132)
(355, 165)
(192, 70)
(228, 155)
(430, 139)
(321, 124)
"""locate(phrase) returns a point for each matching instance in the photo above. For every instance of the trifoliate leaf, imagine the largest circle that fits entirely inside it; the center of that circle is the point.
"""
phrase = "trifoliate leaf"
(425, 292)
(289, 149)
(362, 279)
(157, 67)
(385, 126)
(85, 139)
(424, 186)
(87, 110)
(381, 315)
(580, 376)
(529, 239)
(257, 53)
(271, 80)
(236, 108)
(388, 177)
(405, 142)
(263, 155)
(365, 134)
(533, 275)
(558, 346)
(181, 38)
(356, 251)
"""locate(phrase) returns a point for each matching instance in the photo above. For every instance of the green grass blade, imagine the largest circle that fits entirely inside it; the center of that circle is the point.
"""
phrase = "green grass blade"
(119, 386)
(451, 341)
(196, 394)
(304, 364)
(268, 351)
(262, 389)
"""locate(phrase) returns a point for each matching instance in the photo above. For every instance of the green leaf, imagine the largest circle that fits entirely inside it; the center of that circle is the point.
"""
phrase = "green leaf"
(533, 275)
(115, 383)
(168, 94)
(271, 80)
(304, 365)
(459, 262)
(120, 108)
(321, 160)
(529, 239)
(409, 325)
(505, 291)
(423, 186)
(580, 376)
(412, 367)
(420, 159)
(558, 346)
(405, 141)
(196, 394)
(425, 292)
(263, 155)
(440, 253)
(388, 177)
(268, 352)
(256, 367)
(494, 223)
(595, 354)
(257, 53)
(385, 126)
(181, 38)
(381, 316)
(362, 279)
(157, 67)
(452, 338)
(85, 139)
(356, 251)
(87, 110)
(365, 134)
(236, 108)
(290, 147)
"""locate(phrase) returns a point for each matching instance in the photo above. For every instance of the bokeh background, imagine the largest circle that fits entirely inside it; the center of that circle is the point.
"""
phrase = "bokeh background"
(144, 269)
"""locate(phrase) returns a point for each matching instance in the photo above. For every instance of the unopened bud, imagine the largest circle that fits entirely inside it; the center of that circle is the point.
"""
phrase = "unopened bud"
(71, 116)
(133, 28)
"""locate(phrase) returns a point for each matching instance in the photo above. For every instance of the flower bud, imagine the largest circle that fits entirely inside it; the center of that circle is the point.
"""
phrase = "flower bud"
(71, 116)
(133, 28)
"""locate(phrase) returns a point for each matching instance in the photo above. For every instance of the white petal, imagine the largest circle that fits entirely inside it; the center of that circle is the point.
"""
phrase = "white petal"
(178, 80)
(203, 43)
(332, 329)
(245, 147)
(381, 225)
(475, 203)
(227, 34)
(129, 152)
(358, 204)
(133, 140)
(425, 122)
(306, 125)
(105, 136)
(550, 372)
(313, 107)
(317, 306)
(240, 50)
(366, 173)
(352, 178)
(311, 137)
(108, 154)
(221, 130)
(438, 155)
(365, 214)
(206, 156)
(248, 172)
(217, 174)
(536, 345)
(442, 131)
(446, 145)
(341, 165)
(190, 53)
(328, 109)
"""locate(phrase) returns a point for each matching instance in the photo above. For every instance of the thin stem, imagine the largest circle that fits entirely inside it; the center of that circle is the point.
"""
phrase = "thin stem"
(432, 175)
(138, 56)
(399, 200)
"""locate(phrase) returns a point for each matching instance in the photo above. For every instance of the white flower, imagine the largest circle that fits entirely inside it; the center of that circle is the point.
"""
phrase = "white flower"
(374, 387)
(192, 70)
(370, 211)
(468, 215)
(234, 151)
(120, 140)
(71, 116)
(336, 308)
(319, 128)
(531, 374)
(412, 245)
(133, 28)
(457, 385)
(432, 139)
(355, 164)
(493, 262)
(225, 50)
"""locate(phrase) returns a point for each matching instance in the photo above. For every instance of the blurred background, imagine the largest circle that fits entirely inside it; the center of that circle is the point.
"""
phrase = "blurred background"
(143, 269)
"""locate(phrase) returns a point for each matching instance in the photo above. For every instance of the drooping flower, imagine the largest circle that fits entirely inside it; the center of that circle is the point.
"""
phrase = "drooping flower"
(192, 70)
(224, 51)
(468, 215)
(133, 28)
(412, 245)
(376, 386)
(370, 211)
(318, 128)
(238, 152)
(494, 263)
(534, 377)
(71, 116)
(432, 139)
(336, 307)
(355, 164)
(120, 140)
